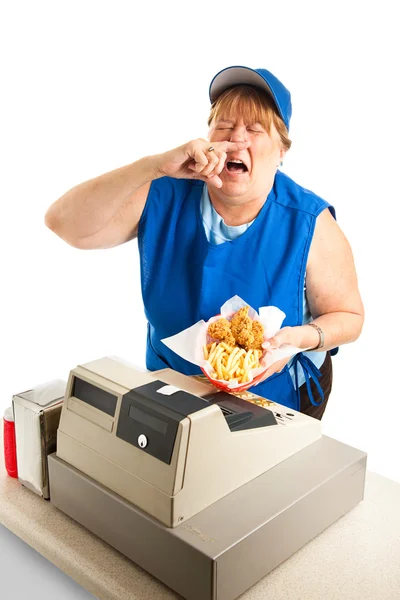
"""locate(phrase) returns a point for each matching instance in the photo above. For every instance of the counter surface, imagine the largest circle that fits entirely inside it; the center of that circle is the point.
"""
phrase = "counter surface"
(358, 557)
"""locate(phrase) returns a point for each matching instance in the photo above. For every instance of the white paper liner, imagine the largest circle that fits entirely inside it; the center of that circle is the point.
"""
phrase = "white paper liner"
(188, 344)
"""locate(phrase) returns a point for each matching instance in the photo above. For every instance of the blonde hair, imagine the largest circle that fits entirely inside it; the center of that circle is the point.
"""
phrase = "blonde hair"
(255, 106)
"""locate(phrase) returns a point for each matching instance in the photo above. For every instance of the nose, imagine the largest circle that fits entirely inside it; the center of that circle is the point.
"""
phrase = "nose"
(239, 134)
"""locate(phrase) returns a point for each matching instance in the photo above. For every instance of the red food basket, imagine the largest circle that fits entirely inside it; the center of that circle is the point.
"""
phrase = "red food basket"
(240, 388)
(224, 386)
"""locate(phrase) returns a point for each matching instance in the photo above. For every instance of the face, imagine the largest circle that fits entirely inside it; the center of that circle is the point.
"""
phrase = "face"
(248, 174)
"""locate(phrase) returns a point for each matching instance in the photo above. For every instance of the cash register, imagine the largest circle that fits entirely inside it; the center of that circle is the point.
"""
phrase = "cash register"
(204, 489)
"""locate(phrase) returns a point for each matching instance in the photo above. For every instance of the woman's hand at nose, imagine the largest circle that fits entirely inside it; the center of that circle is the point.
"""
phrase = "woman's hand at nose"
(198, 159)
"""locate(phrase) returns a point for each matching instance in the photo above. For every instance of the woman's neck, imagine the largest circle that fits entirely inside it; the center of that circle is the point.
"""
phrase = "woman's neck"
(234, 212)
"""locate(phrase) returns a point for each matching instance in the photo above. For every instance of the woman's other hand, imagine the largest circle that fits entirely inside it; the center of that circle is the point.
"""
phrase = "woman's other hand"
(304, 337)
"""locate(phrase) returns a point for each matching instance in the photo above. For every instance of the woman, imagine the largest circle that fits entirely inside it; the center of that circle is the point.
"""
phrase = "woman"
(215, 218)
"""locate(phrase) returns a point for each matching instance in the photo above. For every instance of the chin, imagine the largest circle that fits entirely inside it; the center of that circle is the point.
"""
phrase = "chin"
(233, 189)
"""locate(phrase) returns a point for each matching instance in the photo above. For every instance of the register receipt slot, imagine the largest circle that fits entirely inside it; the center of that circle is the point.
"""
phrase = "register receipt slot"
(163, 447)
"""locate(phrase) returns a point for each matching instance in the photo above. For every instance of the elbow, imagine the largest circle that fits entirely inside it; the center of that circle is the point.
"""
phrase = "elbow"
(49, 222)
(358, 327)
(50, 219)
(52, 223)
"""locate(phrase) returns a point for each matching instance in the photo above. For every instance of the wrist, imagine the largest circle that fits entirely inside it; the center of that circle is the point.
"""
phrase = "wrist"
(153, 167)
(315, 336)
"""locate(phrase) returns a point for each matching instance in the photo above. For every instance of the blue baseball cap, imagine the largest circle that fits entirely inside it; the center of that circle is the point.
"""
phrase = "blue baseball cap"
(260, 78)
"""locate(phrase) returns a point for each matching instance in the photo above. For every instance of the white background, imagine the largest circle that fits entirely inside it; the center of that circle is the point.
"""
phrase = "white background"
(90, 86)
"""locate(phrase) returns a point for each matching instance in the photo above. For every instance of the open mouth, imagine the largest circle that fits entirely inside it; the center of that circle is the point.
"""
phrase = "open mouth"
(236, 166)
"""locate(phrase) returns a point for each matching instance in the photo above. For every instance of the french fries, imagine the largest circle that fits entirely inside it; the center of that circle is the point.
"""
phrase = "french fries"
(231, 362)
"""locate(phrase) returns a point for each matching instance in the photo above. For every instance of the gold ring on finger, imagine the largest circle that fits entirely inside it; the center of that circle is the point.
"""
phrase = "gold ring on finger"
(211, 149)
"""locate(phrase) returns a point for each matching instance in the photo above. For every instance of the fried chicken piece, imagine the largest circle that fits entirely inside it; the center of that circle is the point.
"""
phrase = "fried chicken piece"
(221, 330)
(241, 327)
(258, 334)
(245, 339)
(241, 321)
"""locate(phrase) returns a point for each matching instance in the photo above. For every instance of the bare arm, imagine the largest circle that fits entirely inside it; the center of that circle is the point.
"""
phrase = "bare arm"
(105, 211)
(332, 287)
(332, 293)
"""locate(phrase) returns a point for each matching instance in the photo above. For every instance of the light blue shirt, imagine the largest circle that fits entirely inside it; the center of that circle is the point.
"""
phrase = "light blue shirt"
(218, 232)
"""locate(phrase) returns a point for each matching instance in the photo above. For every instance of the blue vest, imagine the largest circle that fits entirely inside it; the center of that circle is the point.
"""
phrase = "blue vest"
(185, 278)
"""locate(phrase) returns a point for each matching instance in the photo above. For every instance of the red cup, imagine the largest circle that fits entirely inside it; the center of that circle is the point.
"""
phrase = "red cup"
(10, 448)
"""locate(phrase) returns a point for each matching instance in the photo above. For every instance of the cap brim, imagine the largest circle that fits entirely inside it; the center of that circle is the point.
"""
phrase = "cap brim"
(237, 76)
